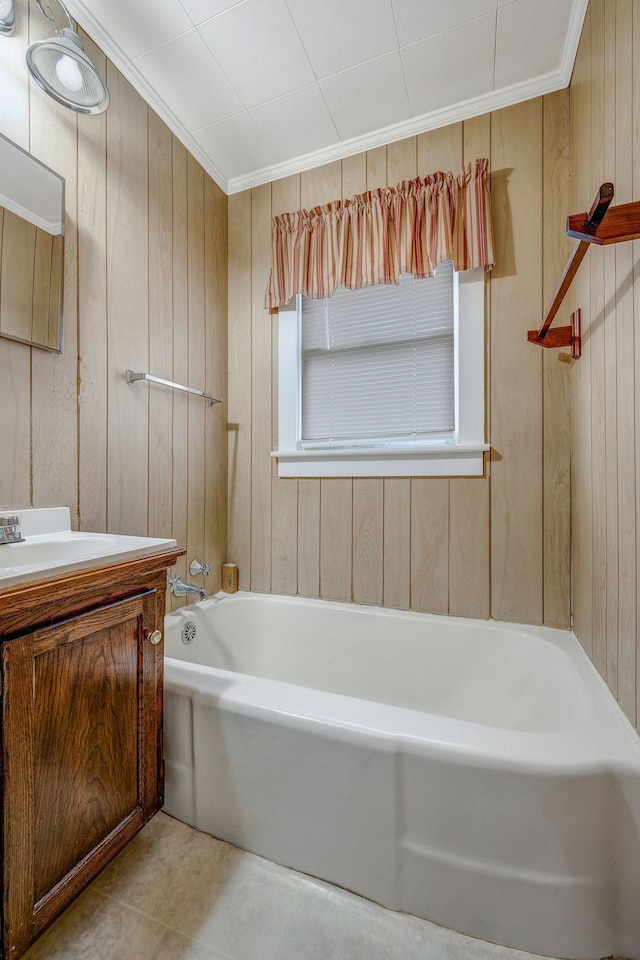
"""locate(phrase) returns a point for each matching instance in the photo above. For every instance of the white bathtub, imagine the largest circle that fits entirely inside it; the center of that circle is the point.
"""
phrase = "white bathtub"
(476, 774)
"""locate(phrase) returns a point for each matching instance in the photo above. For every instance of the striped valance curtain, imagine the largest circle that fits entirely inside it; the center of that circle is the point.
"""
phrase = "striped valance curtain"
(376, 236)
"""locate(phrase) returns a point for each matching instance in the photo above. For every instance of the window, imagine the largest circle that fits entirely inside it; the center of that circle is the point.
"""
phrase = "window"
(379, 382)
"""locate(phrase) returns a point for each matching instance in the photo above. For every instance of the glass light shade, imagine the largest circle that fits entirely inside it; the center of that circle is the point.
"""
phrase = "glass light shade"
(69, 74)
(63, 70)
(7, 18)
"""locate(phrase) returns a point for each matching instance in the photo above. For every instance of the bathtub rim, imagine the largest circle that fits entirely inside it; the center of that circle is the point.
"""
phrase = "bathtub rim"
(584, 750)
(592, 744)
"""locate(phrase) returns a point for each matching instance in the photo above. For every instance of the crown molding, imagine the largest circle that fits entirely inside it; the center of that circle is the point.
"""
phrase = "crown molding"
(497, 100)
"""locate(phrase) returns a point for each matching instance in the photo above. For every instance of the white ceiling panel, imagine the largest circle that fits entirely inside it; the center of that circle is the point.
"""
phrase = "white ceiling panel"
(296, 124)
(175, 70)
(338, 35)
(259, 49)
(367, 97)
(464, 55)
(199, 10)
(138, 26)
(516, 56)
(418, 19)
(236, 143)
(278, 86)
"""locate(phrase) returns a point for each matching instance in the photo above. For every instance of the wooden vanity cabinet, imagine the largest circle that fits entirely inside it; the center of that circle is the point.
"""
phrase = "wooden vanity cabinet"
(82, 764)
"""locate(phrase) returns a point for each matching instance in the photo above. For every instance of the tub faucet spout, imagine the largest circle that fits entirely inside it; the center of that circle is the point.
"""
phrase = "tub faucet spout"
(179, 588)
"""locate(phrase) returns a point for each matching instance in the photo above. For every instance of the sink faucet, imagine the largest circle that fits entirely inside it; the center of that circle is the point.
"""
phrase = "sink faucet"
(181, 587)
(10, 530)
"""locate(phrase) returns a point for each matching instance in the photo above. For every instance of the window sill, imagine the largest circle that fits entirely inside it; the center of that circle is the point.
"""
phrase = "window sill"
(443, 460)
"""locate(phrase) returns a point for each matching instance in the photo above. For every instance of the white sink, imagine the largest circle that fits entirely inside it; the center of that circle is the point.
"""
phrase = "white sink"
(53, 548)
(50, 547)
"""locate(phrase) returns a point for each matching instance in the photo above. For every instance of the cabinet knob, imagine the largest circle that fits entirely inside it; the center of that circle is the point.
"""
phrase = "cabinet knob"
(155, 637)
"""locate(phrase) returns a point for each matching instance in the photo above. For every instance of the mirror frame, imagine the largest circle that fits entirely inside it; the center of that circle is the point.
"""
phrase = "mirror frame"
(59, 346)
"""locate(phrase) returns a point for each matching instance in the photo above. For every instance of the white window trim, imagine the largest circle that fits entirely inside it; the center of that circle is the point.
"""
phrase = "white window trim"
(461, 457)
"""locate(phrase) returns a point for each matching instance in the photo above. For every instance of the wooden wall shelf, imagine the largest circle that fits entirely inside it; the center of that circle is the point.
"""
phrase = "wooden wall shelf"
(601, 225)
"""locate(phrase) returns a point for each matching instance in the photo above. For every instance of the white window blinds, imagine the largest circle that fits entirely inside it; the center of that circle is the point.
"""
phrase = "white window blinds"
(378, 364)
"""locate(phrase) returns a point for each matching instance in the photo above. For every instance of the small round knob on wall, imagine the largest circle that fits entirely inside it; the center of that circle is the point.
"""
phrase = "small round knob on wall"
(155, 637)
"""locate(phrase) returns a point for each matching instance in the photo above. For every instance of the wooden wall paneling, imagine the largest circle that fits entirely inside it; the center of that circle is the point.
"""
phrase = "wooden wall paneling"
(402, 160)
(368, 516)
(42, 280)
(284, 538)
(215, 521)
(596, 351)
(377, 168)
(336, 517)
(476, 138)
(556, 392)
(516, 422)
(15, 424)
(610, 670)
(160, 363)
(354, 175)
(430, 545)
(309, 538)
(285, 195)
(581, 405)
(180, 356)
(396, 557)
(92, 313)
(197, 407)
(628, 369)
(15, 358)
(16, 278)
(440, 150)
(321, 185)
(261, 395)
(239, 386)
(469, 547)
(128, 306)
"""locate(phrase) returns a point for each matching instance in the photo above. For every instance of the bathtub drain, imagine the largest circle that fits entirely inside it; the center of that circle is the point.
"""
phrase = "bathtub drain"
(188, 633)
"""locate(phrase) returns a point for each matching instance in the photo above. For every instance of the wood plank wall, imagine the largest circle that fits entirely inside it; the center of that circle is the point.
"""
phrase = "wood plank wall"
(605, 145)
(145, 288)
(493, 546)
(30, 278)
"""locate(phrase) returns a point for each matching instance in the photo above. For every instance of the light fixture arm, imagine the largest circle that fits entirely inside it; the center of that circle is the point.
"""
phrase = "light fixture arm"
(51, 15)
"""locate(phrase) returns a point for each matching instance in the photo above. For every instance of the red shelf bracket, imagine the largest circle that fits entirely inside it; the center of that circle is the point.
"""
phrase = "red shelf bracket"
(597, 226)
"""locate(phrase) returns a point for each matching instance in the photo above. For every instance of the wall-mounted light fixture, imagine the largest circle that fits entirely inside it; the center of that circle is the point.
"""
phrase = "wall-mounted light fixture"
(64, 71)
(7, 18)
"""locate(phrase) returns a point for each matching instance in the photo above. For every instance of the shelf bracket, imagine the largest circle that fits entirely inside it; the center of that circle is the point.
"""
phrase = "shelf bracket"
(587, 228)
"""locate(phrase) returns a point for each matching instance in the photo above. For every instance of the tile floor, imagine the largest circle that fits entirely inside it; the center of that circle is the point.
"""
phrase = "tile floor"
(177, 894)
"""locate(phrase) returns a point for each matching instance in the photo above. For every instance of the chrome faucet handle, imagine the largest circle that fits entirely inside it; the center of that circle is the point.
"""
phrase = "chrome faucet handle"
(10, 530)
(197, 567)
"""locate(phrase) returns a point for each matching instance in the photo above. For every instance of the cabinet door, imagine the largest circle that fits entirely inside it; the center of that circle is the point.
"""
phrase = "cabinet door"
(82, 729)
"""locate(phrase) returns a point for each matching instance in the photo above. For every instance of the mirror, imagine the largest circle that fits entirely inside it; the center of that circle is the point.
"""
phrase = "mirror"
(31, 249)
